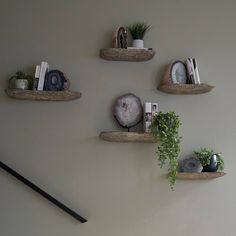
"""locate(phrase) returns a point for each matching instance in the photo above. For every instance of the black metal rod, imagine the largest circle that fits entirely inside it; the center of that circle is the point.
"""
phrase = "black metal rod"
(42, 193)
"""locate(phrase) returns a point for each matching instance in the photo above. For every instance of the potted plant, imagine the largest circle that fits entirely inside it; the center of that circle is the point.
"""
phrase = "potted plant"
(21, 81)
(138, 31)
(210, 160)
(165, 128)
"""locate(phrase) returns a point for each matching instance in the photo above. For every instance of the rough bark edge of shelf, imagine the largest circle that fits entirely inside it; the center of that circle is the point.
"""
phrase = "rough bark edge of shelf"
(185, 88)
(200, 176)
(115, 136)
(43, 95)
(120, 54)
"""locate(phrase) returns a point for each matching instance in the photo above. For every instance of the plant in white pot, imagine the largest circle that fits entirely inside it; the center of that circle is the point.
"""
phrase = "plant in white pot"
(138, 31)
(21, 81)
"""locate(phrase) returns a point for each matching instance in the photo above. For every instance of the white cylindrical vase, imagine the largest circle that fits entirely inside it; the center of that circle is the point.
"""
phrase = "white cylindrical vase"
(21, 84)
(137, 43)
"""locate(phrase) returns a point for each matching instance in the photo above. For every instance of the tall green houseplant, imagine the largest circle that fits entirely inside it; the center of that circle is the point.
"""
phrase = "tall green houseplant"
(165, 128)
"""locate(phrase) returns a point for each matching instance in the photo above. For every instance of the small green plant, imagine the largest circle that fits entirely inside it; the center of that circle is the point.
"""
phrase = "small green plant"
(138, 30)
(204, 155)
(165, 128)
(22, 75)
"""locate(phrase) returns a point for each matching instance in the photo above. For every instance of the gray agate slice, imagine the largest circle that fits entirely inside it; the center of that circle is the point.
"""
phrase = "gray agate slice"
(128, 110)
(190, 164)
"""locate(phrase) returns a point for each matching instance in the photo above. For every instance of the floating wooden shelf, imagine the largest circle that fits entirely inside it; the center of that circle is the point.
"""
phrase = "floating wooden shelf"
(121, 54)
(185, 88)
(200, 176)
(43, 95)
(115, 136)
(168, 87)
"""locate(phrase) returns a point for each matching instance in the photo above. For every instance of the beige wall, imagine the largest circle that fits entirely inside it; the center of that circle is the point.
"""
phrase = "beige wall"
(118, 187)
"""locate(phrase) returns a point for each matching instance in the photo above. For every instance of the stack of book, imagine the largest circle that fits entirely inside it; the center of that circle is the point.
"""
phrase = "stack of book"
(40, 73)
(192, 69)
(150, 110)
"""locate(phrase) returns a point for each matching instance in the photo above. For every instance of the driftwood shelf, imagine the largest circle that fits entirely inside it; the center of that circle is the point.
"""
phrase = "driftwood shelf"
(43, 95)
(168, 87)
(200, 176)
(185, 88)
(120, 54)
(115, 136)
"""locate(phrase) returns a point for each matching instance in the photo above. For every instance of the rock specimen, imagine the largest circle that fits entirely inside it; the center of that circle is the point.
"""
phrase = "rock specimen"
(190, 164)
(119, 39)
(128, 110)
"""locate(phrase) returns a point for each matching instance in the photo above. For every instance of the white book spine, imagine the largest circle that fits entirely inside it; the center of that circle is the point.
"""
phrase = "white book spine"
(37, 71)
(36, 77)
(196, 70)
(193, 69)
(40, 83)
(43, 70)
(147, 117)
(190, 71)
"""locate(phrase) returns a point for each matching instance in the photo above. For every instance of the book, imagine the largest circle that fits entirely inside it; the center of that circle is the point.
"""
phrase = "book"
(36, 77)
(44, 67)
(147, 117)
(195, 67)
(190, 71)
(193, 73)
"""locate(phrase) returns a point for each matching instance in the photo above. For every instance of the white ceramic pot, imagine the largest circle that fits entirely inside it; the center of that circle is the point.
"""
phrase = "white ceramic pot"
(21, 84)
(137, 43)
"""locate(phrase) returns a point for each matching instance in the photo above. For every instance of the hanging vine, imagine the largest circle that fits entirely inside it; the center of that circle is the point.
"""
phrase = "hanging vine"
(165, 128)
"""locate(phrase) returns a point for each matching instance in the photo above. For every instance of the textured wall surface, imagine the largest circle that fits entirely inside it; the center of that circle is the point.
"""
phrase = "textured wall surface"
(118, 187)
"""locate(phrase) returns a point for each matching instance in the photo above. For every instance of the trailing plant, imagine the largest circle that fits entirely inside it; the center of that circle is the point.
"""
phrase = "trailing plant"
(138, 30)
(165, 128)
(204, 155)
(22, 75)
